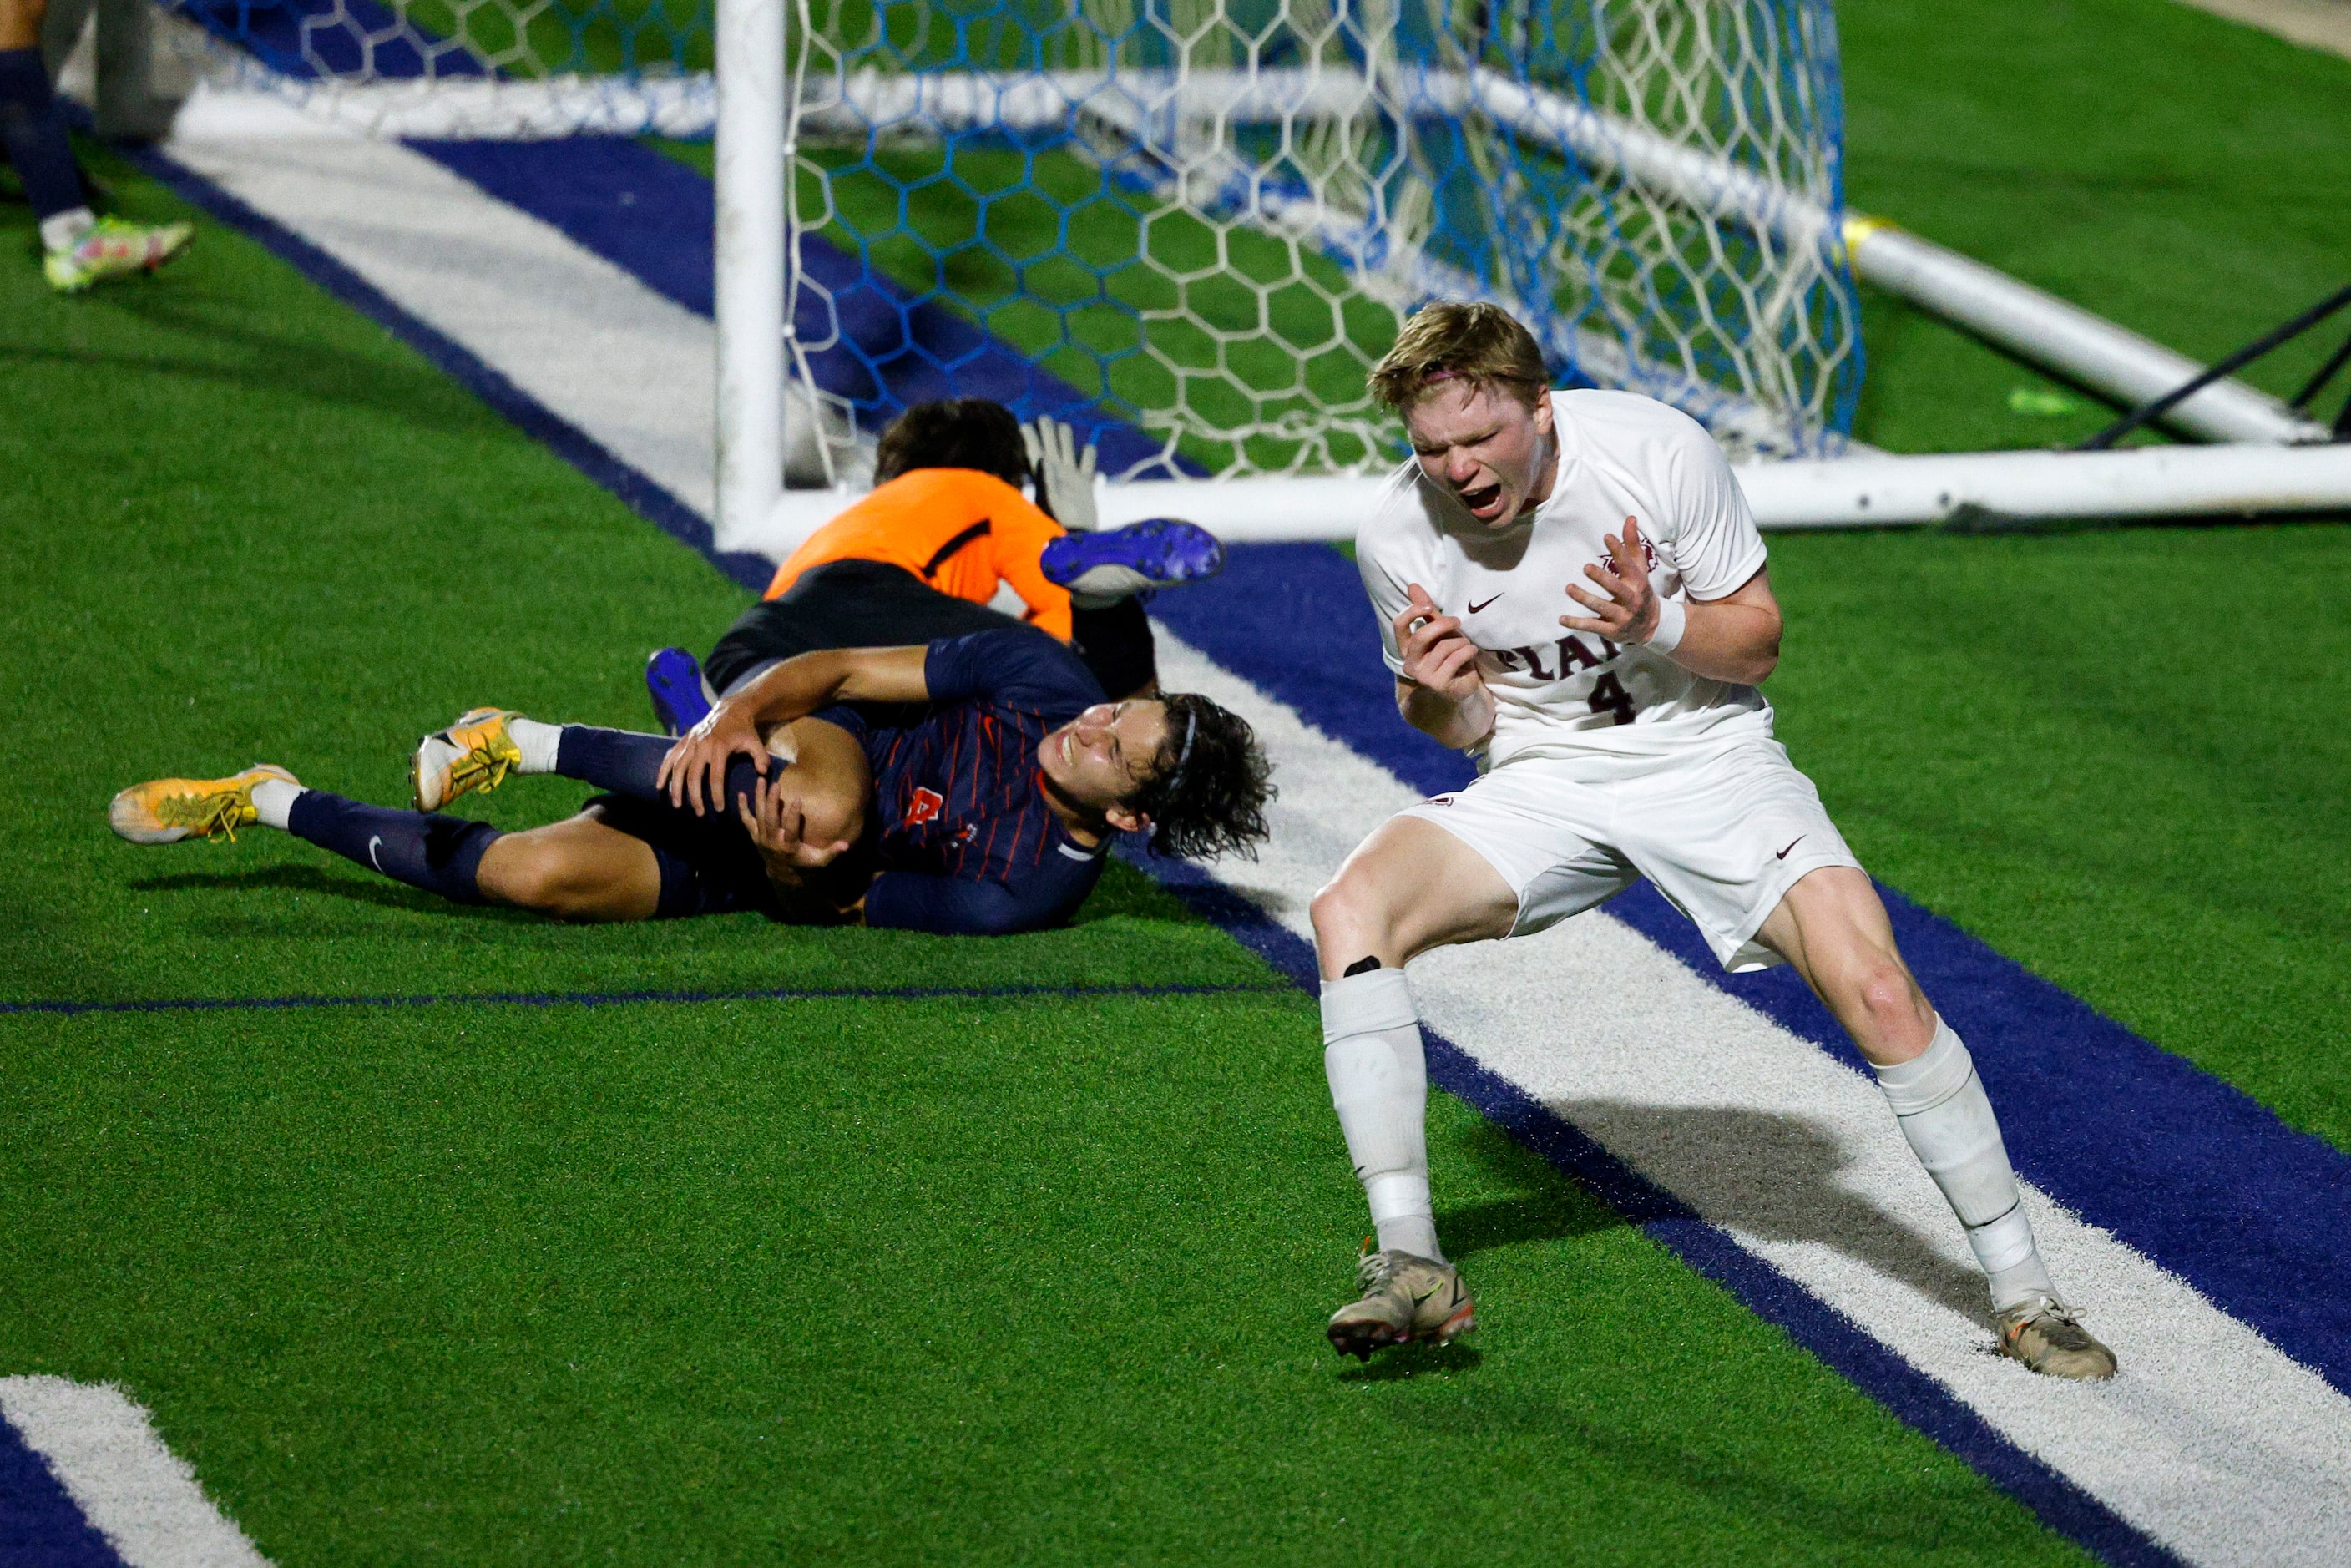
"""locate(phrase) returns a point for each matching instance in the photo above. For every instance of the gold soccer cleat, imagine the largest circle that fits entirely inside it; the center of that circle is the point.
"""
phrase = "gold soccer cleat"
(472, 755)
(165, 811)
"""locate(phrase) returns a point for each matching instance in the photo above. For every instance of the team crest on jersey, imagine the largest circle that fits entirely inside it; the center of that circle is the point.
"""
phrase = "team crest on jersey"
(925, 806)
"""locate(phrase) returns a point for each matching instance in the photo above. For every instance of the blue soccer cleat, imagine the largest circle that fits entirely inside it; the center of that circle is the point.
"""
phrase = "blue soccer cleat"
(1102, 569)
(681, 696)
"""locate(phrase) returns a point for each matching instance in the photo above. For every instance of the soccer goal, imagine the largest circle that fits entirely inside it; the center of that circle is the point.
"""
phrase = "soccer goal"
(1187, 227)
(1191, 226)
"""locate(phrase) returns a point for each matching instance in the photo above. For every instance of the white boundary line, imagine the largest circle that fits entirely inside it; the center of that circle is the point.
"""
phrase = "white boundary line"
(103, 1448)
(2322, 25)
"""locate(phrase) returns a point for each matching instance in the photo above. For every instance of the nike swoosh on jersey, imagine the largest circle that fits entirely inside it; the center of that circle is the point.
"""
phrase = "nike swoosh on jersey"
(372, 841)
(1475, 608)
(1799, 838)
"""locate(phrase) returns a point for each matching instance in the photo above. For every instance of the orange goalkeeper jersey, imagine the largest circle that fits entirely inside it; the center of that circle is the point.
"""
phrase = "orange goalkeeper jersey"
(958, 529)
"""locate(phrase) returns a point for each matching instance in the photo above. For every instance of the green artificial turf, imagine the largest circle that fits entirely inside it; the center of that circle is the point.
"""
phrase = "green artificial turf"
(894, 1281)
(2151, 162)
(2054, 741)
(899, 1284)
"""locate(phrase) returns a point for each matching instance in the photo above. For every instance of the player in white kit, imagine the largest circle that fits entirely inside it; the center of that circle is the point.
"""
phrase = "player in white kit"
(1571, 582)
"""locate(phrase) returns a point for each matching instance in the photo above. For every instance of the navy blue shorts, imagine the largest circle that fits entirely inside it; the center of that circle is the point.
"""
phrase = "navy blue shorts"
(708, 864)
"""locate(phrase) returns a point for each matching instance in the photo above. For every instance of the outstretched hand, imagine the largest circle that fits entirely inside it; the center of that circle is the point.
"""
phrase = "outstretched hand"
(1065, 475)
(695, 770)
(1629, 613)
(1437, 655)
(776, 820)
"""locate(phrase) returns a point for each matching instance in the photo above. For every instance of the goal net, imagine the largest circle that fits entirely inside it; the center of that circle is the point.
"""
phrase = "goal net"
(1191, 226)
(1205, 219)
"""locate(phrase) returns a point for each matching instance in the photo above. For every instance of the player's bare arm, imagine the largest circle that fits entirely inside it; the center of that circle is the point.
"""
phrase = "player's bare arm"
(694, 771)
(1440, 693)
(1734, 638)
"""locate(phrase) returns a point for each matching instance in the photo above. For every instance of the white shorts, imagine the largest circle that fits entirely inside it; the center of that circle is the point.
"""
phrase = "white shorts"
(1723, 830)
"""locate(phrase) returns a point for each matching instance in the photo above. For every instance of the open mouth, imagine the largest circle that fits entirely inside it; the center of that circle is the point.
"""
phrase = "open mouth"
(1482, 500)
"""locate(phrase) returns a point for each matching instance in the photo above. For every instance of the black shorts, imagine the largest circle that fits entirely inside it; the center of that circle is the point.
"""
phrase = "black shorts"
(844, 604)
(870, 604)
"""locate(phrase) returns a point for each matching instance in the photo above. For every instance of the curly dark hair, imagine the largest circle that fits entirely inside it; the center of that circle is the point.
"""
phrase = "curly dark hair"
(1207, 797)
(958, 433)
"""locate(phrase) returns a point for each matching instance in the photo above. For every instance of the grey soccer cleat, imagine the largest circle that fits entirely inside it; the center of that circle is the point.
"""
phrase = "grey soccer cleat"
(1404, 1298)
(2045, 1335)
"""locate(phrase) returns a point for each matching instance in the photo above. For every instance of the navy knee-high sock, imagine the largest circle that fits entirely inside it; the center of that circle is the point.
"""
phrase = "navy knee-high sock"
(33, 131)
(626, 763)
(440, 854)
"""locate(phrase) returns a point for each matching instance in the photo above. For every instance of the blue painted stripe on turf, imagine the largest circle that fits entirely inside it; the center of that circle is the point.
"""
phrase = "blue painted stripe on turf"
(567, 441)
(67, 1007)
(40, 1524)
(2185, 1167)
(655, 218)
(1836, 1340)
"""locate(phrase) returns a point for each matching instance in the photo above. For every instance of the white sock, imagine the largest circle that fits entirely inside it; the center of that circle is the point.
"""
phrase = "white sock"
(1379, 1084)
(272, 799)
(1941, 1107)
(537, 742)
(63, 231)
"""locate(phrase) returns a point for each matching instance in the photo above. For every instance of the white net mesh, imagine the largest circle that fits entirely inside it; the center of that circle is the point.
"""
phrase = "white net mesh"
(1192, 225)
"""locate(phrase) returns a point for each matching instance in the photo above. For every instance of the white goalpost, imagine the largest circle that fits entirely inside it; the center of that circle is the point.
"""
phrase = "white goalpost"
(1239, 201)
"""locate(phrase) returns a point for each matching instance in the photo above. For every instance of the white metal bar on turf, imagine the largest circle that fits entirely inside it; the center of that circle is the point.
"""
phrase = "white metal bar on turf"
(2210, 1441)
(2064, 338)
(1846, 492)
(134, 1491)
(2137, 482)
(748, 180)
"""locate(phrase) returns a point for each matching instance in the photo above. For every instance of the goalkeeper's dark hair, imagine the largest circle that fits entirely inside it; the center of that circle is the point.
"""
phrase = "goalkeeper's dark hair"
(958, 433)
(1209, 783)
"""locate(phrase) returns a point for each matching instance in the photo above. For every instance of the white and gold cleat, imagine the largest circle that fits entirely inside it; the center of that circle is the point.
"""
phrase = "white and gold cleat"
(472, 757)
(165, 811)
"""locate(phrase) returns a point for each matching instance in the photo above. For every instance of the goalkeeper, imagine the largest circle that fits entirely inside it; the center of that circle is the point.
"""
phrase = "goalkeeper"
(983, 804)
(80, 248)
(946, 529)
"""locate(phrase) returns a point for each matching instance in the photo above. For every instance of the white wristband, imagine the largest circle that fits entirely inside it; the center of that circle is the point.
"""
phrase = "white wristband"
(1672, 621)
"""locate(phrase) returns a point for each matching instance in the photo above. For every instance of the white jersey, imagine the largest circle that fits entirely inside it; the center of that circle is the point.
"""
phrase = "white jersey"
(1568, 694)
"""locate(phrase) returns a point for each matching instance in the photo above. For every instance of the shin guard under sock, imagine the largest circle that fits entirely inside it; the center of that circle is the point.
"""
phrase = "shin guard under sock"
(1379, 1086)
(440, 854)
(33, 131)
(1943, 1111)
(627, 763)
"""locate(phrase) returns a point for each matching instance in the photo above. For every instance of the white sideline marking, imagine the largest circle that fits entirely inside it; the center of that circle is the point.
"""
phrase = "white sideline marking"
(2314, 24)
(637, 372)
(133, 1491)
(2211, 1440)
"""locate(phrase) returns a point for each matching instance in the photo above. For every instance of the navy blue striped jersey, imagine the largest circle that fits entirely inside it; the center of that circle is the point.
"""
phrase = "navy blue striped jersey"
(967, 842)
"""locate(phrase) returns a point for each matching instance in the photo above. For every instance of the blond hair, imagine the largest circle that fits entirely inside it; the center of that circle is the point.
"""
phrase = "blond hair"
(1449, 340)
